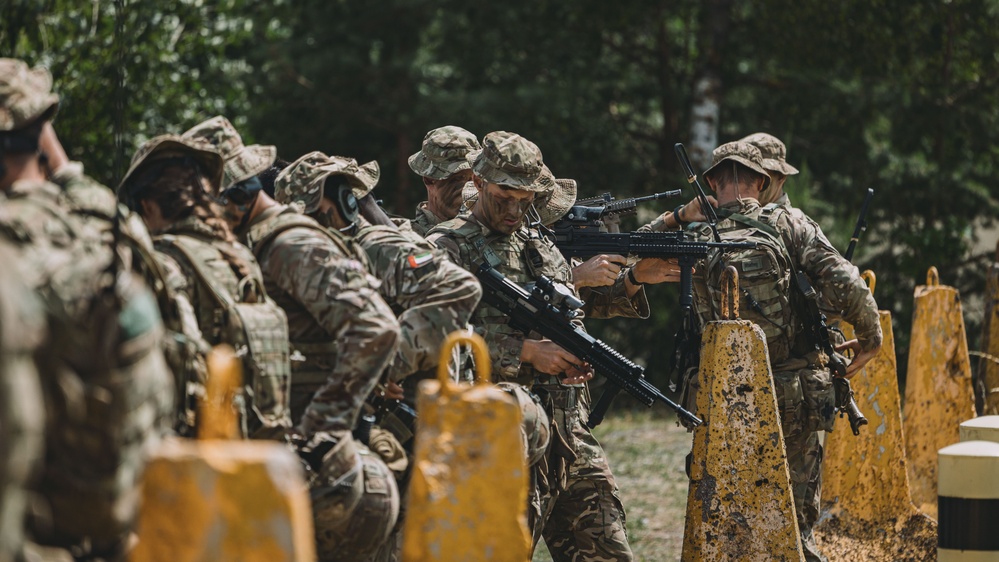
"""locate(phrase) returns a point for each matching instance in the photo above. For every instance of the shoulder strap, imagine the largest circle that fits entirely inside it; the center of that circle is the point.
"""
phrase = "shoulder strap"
(261, 235)
(751, 222)
(189, 249)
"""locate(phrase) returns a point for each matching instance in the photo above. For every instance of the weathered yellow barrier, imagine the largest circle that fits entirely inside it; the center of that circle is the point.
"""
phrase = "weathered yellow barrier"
(468, 493)
(982, 428)
(988, 365)
(224, 501)
(739, 505)
(969, 502)
(938, 395)
(867, 511)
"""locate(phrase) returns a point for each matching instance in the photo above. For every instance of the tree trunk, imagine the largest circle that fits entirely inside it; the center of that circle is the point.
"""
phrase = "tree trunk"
(403, 174)
(708, 87)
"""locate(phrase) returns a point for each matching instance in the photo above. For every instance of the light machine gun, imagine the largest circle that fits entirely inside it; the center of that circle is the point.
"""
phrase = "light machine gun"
(548, 309)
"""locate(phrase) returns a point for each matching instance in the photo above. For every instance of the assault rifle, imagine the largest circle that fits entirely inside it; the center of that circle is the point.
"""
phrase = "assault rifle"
(395, 416)
(845, 402)
(608, 210)
(548, 309)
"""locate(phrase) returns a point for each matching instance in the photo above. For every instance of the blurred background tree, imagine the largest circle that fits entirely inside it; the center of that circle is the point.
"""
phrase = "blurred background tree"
(896, 95)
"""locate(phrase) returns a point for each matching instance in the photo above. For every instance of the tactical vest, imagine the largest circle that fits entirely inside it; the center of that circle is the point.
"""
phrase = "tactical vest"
(312, 361)
(765, 280)
(515, 256)
(245, 318)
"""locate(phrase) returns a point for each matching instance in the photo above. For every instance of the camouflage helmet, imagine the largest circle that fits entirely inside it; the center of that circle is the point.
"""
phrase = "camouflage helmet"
(241, 162)
(25, 95)
(534, 428)
(509, 159)
(743, 153)
(355, 502)
(443, 152)
(774, 152)
(164, 147)
(302, 182)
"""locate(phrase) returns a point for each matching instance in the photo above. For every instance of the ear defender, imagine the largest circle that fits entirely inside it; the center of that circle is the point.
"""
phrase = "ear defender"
(340, 192)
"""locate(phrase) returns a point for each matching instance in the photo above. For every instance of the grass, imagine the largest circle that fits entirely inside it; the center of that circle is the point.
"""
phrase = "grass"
(646, 450)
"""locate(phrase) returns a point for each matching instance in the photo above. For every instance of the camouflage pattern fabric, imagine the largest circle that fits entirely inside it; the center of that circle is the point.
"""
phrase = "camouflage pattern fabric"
(425, 220)
(511, 160)
(22, 410)
(431, 295)
(303, 180)
(443, 152)
(107, 409)
(613, 301)
(241, 162)
(25, 95)
(343, 334)
(218, 283)
(574, 464)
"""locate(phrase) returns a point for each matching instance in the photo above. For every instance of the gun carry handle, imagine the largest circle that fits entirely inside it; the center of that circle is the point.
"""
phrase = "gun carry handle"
(479, 351)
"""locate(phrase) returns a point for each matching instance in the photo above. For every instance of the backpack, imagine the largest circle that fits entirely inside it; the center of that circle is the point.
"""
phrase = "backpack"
(255, 326)
(766, 277)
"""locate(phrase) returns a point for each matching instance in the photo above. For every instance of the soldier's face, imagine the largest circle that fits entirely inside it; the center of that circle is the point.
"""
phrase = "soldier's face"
(501, 208)
(444, 196)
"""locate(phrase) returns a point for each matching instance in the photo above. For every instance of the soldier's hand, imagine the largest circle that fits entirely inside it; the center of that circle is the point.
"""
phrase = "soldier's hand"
(549, 358)
(598, 271)
(651, 271)
(575, 375)
(692, 212)
(860, 357)
(393, 391)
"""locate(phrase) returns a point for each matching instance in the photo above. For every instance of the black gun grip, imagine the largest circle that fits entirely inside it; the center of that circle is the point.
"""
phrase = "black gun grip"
(599, 410)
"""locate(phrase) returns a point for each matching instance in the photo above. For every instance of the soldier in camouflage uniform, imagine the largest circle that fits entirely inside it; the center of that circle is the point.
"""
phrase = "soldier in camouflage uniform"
(801, 378)
(106, 385)
(342, 336)
(582, 516)
(442, 165)
(169, 183)
(21, 408)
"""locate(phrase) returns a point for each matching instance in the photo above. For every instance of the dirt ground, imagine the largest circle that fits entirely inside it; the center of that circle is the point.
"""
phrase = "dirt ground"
(646, 449)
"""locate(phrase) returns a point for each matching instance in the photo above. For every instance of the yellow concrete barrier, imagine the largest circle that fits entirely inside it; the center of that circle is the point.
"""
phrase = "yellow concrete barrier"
(867, 511)
(938, 395)
(739, 504)
(224, 501)
(982, 428)
(468, 493)
(988, 365)
(969, 502)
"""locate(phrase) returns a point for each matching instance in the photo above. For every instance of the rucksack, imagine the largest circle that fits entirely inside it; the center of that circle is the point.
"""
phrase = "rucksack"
(766, 277)
(255, 326)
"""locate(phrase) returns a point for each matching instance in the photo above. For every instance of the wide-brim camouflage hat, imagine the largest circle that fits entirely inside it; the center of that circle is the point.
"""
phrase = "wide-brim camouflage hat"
(443, 152)
(773, 151)
(241, 162)
(743, 153)
(170, 146)
(25, 95)
(552, 204)
(508, 159)
(304, 179)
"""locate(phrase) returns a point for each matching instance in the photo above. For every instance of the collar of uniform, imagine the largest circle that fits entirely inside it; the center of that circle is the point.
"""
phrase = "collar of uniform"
(424, 209)
(24, 188)
(741, 205)
(190, 225)
(783, 201)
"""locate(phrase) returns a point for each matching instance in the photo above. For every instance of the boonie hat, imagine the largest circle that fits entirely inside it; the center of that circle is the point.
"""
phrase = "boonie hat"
(773, 151)
(551, 205)
(25, 95)
(509, 159)
(241, 162)
(443, 152)
(304, 179)
(163, 147)
(743, 153)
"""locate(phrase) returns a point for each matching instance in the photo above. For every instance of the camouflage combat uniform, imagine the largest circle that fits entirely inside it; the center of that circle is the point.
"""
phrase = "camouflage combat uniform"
(801, 379)
(577, 506)
(441, 155)
(106, 386)
(22, 410)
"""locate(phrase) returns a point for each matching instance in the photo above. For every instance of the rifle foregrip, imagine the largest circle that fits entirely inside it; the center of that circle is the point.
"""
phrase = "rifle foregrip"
(596, 416)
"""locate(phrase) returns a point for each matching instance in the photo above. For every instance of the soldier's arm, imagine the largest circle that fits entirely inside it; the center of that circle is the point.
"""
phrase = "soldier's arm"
(836, 280)
(342, 297)
(435, 296)
(614, 301)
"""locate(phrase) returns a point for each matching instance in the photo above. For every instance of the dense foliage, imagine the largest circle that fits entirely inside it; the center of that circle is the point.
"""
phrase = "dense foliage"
(891, 94)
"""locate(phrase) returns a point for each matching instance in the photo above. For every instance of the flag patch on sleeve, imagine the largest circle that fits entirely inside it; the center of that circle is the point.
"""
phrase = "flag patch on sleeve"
(417, 261)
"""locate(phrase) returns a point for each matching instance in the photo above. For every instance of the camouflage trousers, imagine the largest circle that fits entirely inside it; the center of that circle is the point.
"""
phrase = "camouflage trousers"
(583, 519)
(804, 458)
